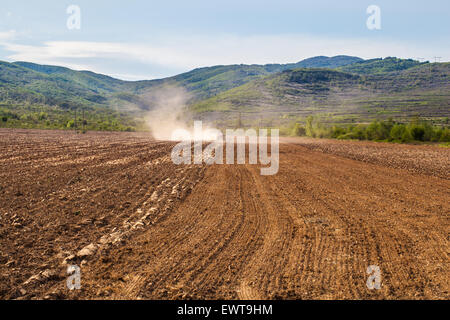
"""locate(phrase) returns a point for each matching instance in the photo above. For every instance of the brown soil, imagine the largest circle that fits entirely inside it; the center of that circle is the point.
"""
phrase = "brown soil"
(156, 230)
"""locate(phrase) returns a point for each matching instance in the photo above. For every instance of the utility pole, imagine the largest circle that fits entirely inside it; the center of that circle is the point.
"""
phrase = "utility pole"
(75, 120)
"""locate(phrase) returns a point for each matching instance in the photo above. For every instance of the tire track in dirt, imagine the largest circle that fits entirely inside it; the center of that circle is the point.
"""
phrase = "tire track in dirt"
(396, 243)
(308, 232)
(97, 188)
(185, 261)
(222, 231)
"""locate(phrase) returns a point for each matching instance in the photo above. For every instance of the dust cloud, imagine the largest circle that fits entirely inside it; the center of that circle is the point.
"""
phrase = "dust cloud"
(170, 118)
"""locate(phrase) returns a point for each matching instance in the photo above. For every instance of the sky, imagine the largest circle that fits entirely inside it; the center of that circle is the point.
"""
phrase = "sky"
(137, 39)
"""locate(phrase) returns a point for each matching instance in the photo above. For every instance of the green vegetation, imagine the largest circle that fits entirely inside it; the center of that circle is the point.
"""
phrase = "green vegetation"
(111, 104)
(348, 90)
(210, 81)
(421, 90)
(48, 97)
(47, 117)
(325, 62)
(377, 66)
(388, 130)
(311, 76)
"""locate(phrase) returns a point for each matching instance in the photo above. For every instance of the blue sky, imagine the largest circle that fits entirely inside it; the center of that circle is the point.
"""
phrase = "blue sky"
(153, 39)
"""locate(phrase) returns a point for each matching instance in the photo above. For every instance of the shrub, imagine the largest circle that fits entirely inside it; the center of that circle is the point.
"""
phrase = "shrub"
(372, 131)
(406, 136)
(445, 136)
(42, 116)
(385, 128)
(338, 131)
(429, 131)
(309, 126)
(436, 135)
(26, 117)
(397, 132)
(417, 132)
(359, 132)
(299, 130)
(377, 130)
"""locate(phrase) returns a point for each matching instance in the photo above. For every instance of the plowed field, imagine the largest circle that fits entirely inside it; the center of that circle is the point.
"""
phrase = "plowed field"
(141, 227)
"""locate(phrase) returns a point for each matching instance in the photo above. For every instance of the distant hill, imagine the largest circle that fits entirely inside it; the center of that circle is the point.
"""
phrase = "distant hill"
(33, 95)
(374, 66)
(93, 81)
(68, 88)
(342, 97)
(19, 83)
(326, 62)
(209, 81)
(49, 98)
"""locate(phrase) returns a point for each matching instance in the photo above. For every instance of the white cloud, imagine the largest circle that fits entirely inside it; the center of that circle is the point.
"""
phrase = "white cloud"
(7, 36)
(185, 53)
